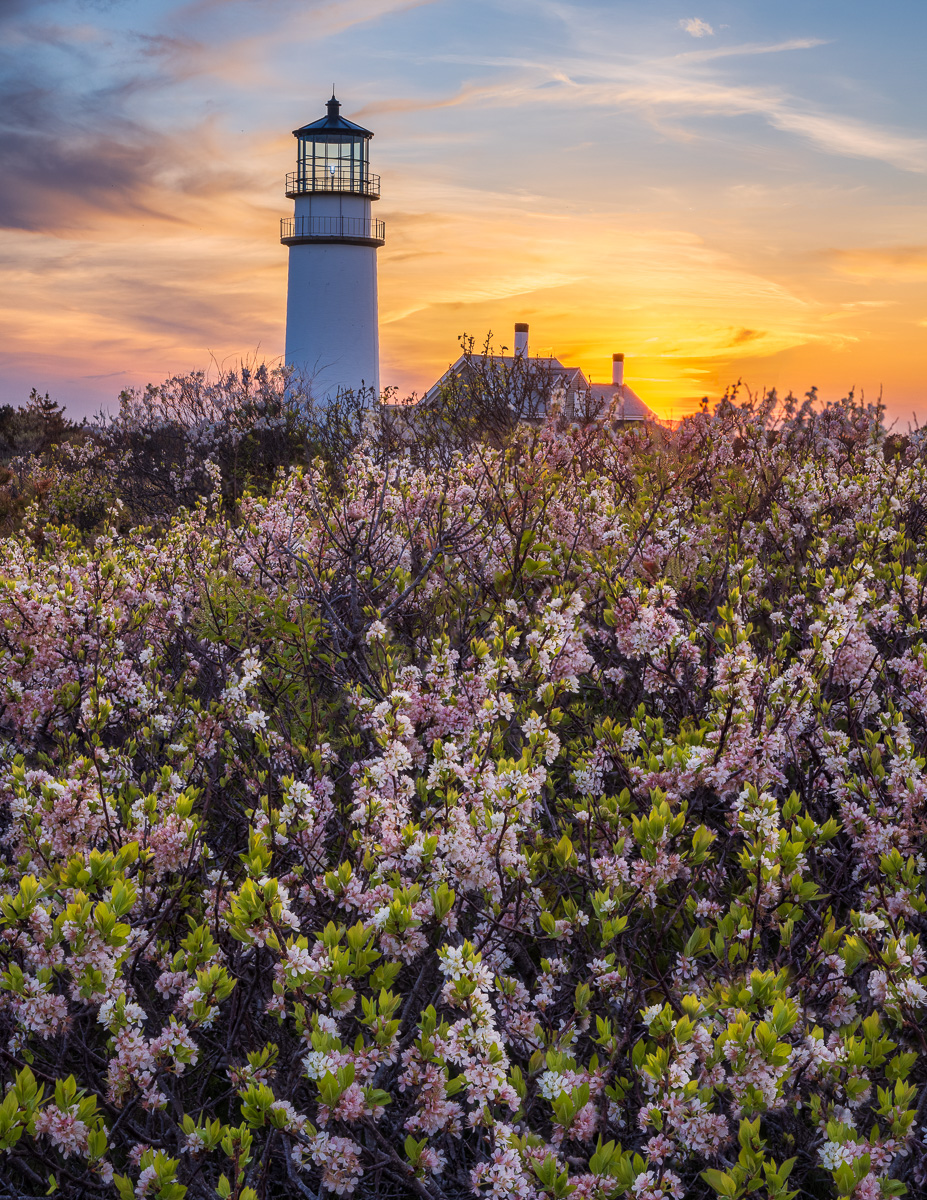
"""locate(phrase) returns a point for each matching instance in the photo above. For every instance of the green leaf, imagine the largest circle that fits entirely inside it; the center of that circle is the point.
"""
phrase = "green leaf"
(722, 1183)
(126, 1189)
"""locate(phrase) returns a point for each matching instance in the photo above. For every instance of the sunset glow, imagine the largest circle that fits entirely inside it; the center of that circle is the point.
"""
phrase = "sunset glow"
(720, 193)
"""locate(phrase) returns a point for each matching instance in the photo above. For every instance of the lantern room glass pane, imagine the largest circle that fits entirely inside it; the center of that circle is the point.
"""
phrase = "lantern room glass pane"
(333, 165)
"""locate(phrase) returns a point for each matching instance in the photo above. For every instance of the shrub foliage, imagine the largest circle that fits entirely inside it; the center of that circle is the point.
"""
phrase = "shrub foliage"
(545, 822)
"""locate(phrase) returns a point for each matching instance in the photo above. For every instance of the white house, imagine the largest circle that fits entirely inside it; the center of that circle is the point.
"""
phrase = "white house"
(547, 383)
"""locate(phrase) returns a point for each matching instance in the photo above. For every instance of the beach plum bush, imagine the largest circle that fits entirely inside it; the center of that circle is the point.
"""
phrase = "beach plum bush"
(548, 824)
(171, 445)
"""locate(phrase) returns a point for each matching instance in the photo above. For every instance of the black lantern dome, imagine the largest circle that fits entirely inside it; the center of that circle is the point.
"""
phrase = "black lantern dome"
(333, 157)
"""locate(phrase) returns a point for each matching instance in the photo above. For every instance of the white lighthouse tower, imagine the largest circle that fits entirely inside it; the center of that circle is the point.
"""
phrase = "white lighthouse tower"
(332, 337)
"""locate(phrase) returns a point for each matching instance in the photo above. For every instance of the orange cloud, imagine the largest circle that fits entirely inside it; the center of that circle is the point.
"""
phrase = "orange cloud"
(887, 262)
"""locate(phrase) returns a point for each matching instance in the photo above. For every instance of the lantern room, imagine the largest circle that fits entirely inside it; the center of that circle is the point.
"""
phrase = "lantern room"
(333, 157)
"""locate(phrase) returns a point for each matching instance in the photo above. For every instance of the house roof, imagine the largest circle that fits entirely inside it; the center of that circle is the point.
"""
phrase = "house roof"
(628, 407)
(551, 368)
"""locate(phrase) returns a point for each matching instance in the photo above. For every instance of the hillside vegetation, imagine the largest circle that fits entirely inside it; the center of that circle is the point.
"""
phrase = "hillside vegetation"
(527, 816)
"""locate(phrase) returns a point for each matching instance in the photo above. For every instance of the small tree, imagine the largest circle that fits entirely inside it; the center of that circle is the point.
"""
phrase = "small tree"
(48, 417)
(488, 396)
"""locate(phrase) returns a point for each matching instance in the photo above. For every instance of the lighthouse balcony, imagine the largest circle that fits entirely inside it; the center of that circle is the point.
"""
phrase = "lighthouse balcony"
(329, 177)
(359, 231)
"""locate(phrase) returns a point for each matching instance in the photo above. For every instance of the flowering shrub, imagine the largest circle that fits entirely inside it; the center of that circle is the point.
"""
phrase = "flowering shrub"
(171, 446)
(548, 824)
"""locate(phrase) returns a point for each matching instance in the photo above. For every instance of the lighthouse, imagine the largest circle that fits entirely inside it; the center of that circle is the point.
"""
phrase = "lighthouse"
(332, 338)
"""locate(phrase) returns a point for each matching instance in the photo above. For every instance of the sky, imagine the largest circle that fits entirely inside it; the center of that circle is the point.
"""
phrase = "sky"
(722, 191)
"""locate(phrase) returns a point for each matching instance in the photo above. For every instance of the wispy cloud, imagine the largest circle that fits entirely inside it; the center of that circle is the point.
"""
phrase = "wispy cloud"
(904, 263)
(94, 163)
(55, 168)
(465, 95)
(13, 8)
(321, 17)
(696, 27)
(680, 96)
(856, 139)
(746, 49)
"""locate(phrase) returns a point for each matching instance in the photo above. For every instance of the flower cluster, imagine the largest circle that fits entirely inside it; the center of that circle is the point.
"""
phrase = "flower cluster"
(541, 818)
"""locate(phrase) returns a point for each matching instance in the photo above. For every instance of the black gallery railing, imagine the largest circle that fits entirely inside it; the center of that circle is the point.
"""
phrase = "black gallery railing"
(325, 228)
(329, 178)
